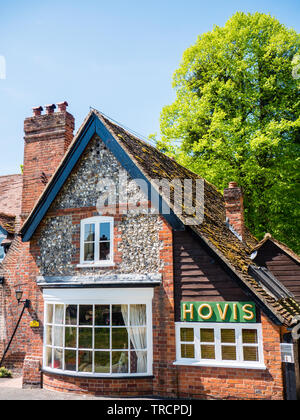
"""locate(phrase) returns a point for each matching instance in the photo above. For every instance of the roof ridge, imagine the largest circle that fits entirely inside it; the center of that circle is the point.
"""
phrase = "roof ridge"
(105, 117)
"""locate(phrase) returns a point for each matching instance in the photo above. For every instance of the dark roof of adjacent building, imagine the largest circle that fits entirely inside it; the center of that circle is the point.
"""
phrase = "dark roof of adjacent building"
(153, 164)
(282, 246)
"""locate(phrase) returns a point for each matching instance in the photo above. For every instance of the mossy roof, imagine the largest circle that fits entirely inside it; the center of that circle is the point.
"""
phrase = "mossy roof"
(213, 229)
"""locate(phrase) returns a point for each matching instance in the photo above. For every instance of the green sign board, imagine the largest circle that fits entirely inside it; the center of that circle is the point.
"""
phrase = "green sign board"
(218, 312)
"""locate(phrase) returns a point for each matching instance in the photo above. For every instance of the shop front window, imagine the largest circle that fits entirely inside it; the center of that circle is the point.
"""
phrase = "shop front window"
(238, 345)
(98, 339)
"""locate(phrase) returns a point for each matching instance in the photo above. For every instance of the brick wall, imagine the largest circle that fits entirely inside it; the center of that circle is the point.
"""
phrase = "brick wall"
(112, 387)
(20, 272)
(225, 383)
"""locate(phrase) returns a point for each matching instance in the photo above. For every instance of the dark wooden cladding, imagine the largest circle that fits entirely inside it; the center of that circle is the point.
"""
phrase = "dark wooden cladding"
(283, 266)
(198, 277)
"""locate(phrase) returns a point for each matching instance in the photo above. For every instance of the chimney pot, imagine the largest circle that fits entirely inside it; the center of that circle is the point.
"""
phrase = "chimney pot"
(62, 106)
(50, 109)
(37, 110)
(232, 184)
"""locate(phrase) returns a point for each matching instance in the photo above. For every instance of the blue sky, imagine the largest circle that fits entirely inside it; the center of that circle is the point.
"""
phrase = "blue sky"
(117, 56)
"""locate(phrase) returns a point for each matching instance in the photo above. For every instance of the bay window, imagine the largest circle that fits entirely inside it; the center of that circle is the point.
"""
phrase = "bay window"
(99, 336)
(212, 344)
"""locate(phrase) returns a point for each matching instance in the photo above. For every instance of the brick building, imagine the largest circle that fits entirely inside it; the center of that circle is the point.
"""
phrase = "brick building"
(134, 290)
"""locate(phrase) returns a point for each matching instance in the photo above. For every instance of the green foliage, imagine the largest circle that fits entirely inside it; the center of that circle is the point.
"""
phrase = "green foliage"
(236, 115)
(5, 373)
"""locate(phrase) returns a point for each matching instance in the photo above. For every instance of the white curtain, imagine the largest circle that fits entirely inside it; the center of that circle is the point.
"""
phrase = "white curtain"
(58, 319)
(137, 335)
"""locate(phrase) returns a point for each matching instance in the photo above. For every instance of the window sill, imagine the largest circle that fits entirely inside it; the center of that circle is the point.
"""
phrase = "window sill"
(97, 265)
(257, 366)
(86, 375)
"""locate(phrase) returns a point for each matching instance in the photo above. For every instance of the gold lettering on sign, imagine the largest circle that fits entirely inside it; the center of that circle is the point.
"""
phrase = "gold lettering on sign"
(235, 315)
(188, 311)
(209, 315)
(223, 314)
(251, 314)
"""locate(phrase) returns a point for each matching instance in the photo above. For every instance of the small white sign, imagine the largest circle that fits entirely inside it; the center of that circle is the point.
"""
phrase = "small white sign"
(287, 353)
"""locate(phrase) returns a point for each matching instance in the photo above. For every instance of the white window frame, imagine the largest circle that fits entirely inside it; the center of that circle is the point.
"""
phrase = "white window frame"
(218, 362)
(97, 220)
(101, 296)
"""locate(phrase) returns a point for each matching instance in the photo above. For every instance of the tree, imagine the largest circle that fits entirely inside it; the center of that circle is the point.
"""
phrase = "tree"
(236, 118)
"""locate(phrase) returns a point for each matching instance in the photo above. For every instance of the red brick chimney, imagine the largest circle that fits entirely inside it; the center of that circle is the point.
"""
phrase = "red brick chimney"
(234, 206)
(47, 138)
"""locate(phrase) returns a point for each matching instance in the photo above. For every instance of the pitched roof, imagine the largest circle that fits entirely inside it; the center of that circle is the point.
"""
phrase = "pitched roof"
(282, 246)
(144, 160)
(10, 200)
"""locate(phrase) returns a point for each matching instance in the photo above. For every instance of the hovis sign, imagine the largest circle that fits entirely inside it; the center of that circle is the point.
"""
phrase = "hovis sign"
(218, 312)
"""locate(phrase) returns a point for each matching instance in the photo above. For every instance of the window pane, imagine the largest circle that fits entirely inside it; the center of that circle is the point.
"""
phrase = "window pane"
(49, 334)
(102, 338)
(120, 362)
(249, 336)
(49, 357)
(70, 337)
(89, 233)
(250, 354)
(119, 338)
(187, 351)
(104, 250)
(2, 253)
(49, 317)
(85, 315)
(70, 360)
(58, 336)
(85, 361)
(102, 362)
(58, 359)
(85, 338)
(59, 314)
(207, 352)
(119, 315)
(138, 362)
(138, 338)
(89, 252)
(228, 353)
(71, 315)
(104, 231)
(138, 315)
(187, 334)
(228, 336)
(207, 335)
(102, 315)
